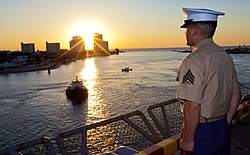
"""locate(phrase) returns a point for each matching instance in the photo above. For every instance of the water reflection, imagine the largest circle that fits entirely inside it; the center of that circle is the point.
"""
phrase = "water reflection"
(88, 74)
(89, 77)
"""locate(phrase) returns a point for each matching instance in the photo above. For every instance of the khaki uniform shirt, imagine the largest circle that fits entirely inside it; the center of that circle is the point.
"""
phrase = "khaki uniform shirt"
(207, 76)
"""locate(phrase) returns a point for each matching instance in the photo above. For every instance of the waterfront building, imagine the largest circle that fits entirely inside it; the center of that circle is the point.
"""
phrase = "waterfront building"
(77, 44)
(52, 47)
(100, 47)
(20, 59)
(7, 51)
(28, 47)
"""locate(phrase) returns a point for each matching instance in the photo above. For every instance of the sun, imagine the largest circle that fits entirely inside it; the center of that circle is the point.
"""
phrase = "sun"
(88, 39)
(86, 30)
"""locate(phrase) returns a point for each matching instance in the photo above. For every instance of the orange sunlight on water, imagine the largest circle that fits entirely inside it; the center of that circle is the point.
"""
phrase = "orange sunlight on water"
(88, 74)
(89, 77)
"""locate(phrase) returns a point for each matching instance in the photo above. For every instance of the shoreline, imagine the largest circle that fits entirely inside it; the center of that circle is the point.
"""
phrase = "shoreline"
(52, 65)
(55, 65)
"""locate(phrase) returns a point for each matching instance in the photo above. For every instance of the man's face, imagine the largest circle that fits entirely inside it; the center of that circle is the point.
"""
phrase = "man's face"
(189, 35)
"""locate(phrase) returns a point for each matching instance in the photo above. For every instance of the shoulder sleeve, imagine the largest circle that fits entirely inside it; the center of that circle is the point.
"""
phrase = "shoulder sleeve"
(191, 80)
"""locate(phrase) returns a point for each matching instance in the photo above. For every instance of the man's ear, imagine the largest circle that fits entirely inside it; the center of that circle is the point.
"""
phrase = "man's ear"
(195, 31)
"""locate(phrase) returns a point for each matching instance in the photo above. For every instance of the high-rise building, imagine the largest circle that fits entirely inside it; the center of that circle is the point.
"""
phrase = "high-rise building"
(98, 37)
(52, 47)
(28, 48)
(100, 46)
(77, 44)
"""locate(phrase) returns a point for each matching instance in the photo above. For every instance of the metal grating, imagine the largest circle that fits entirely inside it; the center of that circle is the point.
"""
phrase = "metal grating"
(132, 130)
(35, 147)
(244, 90)
(167, 117)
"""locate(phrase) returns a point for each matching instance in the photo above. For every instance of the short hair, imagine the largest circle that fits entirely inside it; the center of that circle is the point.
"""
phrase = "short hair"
(207, 28)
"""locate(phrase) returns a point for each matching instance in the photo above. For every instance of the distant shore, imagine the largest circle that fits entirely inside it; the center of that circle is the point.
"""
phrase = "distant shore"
(235, 50)
(39, 67)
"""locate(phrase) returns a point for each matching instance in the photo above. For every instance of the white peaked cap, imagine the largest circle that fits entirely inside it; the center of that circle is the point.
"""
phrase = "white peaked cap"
(200, 15)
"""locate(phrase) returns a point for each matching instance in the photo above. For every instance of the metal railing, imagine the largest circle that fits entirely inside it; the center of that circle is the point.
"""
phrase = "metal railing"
(133, 130)
(244, 90)
(38, 146)
(167, 117)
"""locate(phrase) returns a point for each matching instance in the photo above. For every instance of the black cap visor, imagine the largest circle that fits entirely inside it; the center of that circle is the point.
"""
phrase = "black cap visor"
(186, 23)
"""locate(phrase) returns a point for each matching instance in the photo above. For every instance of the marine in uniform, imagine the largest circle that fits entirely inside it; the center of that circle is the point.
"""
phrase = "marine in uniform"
(208, 87)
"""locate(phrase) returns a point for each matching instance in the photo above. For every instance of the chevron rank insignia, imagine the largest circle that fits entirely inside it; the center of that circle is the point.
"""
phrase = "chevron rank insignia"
(188, 78)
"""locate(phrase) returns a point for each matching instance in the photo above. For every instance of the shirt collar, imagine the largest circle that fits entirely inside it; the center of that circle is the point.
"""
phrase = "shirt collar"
(202, 43)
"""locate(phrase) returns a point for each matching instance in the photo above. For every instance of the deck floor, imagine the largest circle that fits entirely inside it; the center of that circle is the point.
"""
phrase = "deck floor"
(241, 137)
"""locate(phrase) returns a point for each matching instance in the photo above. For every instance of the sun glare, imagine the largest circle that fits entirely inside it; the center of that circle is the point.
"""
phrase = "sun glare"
(86, 30)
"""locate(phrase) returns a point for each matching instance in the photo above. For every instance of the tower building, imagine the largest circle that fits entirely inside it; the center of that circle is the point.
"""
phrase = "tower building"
(52, 47)
(100, 47)
(28, 48)
(77, 44)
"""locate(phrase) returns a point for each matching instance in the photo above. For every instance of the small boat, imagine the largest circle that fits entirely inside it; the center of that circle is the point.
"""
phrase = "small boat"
(126, 69)
(76, 91)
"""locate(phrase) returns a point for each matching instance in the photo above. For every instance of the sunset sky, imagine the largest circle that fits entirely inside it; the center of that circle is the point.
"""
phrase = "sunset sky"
(124, 23)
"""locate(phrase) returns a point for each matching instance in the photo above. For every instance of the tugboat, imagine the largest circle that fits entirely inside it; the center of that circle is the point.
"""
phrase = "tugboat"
(76, 91)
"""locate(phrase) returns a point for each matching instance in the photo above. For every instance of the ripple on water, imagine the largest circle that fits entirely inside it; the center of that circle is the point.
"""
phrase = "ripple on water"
(35, 104)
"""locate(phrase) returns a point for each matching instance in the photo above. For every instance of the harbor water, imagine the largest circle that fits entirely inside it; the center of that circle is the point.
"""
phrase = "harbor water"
(33, 104)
